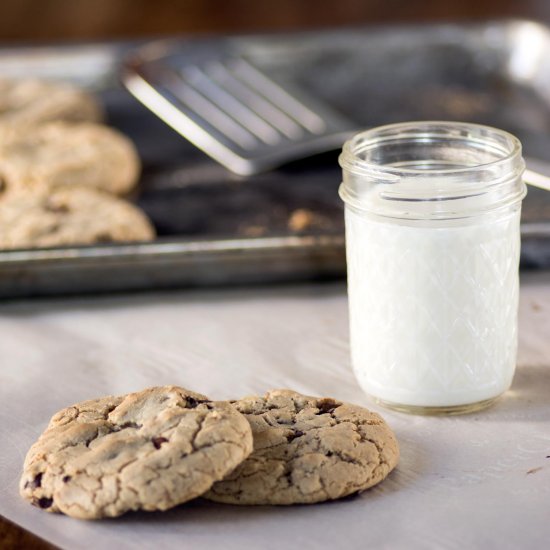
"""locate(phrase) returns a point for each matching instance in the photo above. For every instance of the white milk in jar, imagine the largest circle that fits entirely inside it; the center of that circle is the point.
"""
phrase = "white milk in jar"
(432, 238)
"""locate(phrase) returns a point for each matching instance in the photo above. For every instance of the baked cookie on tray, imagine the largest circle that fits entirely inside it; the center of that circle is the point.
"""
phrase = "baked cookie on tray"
(69, 216)
(307, 449)
(62, 154)
(149, 450)
(25, 103)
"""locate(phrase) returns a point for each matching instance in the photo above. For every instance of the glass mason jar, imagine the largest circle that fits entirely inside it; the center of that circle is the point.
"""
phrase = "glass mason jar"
(432, 238)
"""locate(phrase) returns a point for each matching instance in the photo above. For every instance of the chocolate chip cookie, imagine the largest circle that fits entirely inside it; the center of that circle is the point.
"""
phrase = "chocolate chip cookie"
(69, 216)
(149, 450)
(26, 103)
(61, 154)
(307, 449)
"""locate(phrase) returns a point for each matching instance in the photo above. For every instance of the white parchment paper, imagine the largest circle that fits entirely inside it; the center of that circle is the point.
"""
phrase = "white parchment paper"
(477, 481)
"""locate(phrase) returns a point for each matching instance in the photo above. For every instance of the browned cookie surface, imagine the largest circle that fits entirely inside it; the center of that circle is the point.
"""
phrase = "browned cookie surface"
(25, 103)
(308, 449)
(149, 450)
(69, 216)
(62, 154)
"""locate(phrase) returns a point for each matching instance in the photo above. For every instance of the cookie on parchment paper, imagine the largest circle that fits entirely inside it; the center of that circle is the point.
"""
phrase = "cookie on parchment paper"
(149, 450)
(307, 449)
(62, 154)
(70, 216)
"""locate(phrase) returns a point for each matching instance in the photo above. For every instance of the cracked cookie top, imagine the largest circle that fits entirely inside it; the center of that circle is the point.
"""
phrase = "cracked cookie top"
(68, 217)
(26, 103)
(149, 450)
(63, 154)
(306, 450)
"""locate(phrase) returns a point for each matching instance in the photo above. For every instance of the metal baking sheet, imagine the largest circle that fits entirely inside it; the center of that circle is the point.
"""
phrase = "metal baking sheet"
(218, 228)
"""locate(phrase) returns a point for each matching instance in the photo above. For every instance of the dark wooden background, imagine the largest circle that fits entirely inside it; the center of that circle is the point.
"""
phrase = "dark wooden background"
(51, 20)
(24, 21)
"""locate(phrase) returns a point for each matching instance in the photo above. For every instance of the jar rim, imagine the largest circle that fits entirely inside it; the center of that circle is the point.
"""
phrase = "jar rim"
(349, 159)
(432, 170)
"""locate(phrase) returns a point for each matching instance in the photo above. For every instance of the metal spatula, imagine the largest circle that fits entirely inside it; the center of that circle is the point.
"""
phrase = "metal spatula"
(236, 114)
(239, 116)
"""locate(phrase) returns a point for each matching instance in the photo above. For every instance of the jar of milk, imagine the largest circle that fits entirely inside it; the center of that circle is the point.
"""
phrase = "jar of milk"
(432, 237)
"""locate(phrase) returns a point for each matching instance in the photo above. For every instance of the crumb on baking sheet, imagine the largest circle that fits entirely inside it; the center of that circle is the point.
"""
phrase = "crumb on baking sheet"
(303, 219)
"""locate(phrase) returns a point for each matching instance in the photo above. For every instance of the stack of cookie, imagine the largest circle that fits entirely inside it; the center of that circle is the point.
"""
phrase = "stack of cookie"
(163, 446)
(62, 173)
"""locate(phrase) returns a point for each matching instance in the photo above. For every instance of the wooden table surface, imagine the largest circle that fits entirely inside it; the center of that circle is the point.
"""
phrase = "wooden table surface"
(34, 20)
(13, 537)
